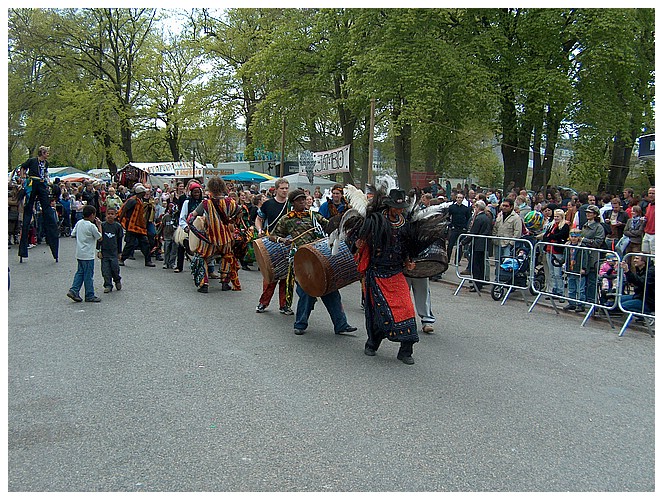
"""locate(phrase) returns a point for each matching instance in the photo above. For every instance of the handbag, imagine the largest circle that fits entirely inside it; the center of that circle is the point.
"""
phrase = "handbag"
(622, 245)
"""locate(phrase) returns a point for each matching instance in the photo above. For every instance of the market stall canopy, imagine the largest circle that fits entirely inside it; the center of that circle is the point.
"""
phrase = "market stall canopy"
(54, 172)
(302, 182)
(83, 177)
(248, 176)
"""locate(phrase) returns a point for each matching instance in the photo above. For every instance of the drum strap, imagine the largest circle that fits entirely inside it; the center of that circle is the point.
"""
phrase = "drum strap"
(271, 225)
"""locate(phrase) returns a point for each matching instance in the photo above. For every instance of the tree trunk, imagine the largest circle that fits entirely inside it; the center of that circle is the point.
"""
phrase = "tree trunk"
(538, 172)
(619, 164)
(110, 162)
(348, 122)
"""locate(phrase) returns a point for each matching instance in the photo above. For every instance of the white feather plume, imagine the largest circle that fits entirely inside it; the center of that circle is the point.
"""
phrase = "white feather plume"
(356, 198)
(385, 183)
(429, 211)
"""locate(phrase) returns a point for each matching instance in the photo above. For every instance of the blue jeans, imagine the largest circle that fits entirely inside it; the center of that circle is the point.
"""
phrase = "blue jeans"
(332, 302)
(555, 275)
(630, 303)
(576, 289)
(84, 276)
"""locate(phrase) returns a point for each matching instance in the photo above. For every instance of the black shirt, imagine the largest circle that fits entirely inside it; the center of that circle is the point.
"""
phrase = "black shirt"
(272, 211)
(460, 216)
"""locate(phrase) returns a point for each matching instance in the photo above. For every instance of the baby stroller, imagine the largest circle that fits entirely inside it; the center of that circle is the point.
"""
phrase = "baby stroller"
(64, 225)
(514, 271)
(608, 281)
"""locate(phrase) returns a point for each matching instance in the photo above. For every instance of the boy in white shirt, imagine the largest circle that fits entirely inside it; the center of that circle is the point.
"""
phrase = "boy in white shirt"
(87, 232)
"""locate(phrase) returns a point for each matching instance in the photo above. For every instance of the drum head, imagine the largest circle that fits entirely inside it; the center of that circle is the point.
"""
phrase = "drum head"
(311, 270)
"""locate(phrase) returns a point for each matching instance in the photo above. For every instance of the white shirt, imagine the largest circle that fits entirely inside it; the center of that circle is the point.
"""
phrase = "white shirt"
(87, 235)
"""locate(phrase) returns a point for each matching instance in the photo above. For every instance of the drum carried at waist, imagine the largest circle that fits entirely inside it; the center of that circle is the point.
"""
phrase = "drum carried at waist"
(272, 258)
(430, 262)
(319, 272)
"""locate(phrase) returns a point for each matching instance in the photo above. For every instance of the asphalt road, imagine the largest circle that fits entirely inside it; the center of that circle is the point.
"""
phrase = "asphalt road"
(161, 388)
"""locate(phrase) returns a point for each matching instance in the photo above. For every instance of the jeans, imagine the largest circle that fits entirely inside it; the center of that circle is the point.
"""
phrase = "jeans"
(84, 276)
(576, 290)
(332, 302)
(169, 253)
(590, 283)
(555, 275)
(630, 303)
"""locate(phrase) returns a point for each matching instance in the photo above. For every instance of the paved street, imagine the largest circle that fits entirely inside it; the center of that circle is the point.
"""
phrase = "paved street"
(160, 388)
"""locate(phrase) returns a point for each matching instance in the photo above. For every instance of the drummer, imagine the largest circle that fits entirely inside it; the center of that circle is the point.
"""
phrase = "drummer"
(268, 215)
(299, 227)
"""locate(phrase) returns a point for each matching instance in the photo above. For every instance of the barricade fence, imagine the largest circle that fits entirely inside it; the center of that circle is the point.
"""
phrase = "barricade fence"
(588, 280)
(631, 304)
(502, 263)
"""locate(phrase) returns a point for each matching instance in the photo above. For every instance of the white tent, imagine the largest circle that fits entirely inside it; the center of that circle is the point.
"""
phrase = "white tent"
(301, 181)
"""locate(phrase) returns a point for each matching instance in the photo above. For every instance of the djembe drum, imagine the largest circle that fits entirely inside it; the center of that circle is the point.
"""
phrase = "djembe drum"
(431, 262)
(319, 272)
(272, 259)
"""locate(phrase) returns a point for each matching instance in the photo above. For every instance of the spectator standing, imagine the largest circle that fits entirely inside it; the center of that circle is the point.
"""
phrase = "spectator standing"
(87, 232)
(109, 250)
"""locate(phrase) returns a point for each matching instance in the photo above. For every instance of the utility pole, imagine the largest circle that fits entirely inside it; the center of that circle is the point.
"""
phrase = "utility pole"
(283, 147)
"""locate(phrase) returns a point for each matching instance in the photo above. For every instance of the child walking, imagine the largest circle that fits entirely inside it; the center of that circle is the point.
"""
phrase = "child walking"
(109, 250)
(87, 232)
(168, 226)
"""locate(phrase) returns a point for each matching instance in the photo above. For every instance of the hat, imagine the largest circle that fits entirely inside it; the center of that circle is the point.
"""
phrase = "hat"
(195, 185)
(297, 193)
(593, 208)
(396, 199)
(552, 206)
(139, 188)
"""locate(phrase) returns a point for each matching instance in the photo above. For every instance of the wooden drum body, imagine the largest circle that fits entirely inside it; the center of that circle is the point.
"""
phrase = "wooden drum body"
(430, 262)
(319, 272)
(272, 259)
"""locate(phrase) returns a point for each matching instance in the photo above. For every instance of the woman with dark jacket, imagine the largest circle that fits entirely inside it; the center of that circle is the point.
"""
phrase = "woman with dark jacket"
(557, 232)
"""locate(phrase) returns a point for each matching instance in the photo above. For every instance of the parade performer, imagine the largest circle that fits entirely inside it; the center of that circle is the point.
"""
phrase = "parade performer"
(133, 218)
(385, 234)
(299, 227)
(35, 171)
(217, 236)
(267, 217)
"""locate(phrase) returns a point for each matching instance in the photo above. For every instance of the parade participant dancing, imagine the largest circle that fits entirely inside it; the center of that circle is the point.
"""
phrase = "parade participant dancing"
(268, 216)
(299, 227)
(219, 212)
(381, 256)
(133, 218)
(36, 187)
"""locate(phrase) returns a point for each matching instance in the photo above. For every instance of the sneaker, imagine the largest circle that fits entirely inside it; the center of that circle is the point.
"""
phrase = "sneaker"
(74, 297)
(203, 289)
(299, 331)
(286, 310)
(225, 287)
(406, 359)
(214, 276)
(150, 264)
(369, 352)
(427, 328)
(93, 299)
(108, 289)
(261, 308)
(466, 272)
(347, 329)
(569, 307)
(120, 262)
(118, 286)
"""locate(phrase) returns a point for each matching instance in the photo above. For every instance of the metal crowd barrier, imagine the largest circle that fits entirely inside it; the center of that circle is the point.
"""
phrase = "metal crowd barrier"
(648, 317)
(529, 276)
(504, 281)
(591, 278)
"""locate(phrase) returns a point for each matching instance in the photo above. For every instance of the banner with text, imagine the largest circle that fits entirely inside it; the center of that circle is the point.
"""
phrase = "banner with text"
(329, 162)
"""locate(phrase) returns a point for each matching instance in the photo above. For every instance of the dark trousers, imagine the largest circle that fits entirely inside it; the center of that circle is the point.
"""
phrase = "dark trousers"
(40, 192)
(374, 342)
(133, 241)
(479, 267)
(453, 239)
(110, 270)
